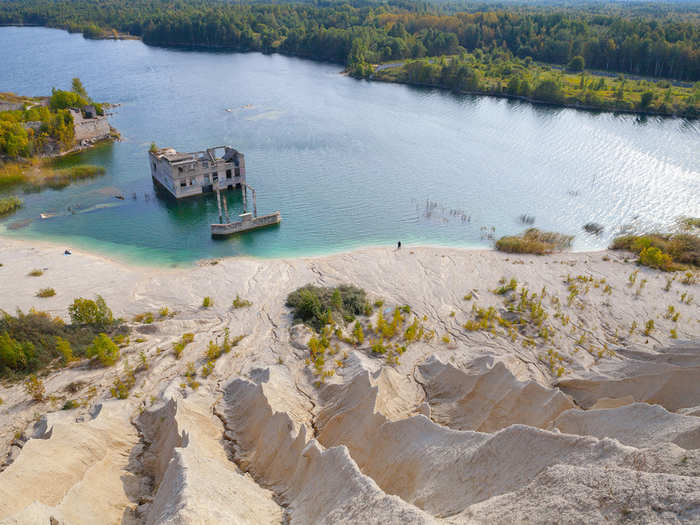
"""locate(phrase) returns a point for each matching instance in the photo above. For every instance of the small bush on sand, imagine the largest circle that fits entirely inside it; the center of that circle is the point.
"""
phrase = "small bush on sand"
(207, 302)
(318, 306)
(36, 273)
(182, 343)
(145, 317)
(534, 241)
(649, 327)
(46, 292)
(34, 340)
(104, 349)
(123, 384)
(35, 387)
(86, 311)
(241, 303)
(668, 252)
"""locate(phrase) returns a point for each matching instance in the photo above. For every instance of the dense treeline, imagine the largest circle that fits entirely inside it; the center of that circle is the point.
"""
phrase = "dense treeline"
(500, 73)
(364, 32)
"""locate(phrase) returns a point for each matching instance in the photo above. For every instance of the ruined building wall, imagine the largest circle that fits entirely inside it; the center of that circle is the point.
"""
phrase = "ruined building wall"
(89, 129)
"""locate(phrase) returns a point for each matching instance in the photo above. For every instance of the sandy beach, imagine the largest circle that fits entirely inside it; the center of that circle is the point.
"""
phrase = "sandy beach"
(470, 426)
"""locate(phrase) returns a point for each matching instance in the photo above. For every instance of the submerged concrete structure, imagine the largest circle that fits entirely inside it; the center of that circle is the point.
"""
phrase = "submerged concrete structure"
(189, 174)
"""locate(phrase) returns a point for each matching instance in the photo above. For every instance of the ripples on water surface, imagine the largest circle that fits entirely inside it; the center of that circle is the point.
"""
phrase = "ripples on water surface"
(349, 163)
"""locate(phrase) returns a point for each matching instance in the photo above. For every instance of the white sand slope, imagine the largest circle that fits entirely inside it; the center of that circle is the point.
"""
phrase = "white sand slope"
(596, 422)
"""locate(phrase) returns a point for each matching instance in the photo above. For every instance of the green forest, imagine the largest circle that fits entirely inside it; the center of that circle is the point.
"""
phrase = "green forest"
(649, 40)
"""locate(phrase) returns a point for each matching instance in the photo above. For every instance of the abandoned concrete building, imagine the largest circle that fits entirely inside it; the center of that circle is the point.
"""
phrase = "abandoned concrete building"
(189, 174)
(89, 126)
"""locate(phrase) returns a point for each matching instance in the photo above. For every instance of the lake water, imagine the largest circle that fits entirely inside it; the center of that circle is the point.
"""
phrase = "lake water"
(348, 163)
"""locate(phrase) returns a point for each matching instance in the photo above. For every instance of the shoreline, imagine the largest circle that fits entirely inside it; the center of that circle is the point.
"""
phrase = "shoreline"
(373, 78)
(536, 102)
(130, 263)
(131, 288)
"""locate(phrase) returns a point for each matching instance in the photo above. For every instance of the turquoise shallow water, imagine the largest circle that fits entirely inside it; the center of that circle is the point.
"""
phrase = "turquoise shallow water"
(349, 163)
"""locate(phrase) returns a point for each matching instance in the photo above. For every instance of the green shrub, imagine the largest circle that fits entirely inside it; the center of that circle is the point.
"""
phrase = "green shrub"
(317, 305)
(70, 405)
(104, 349)
(576, 64)
(145, 317)
(655, 258)
(9, 205)
(505, 288)
(548, 90)
(46, 292)
(35, 387)
(182, 343)
(65, 349)
(682, 248)
(36, 273)
(207, 302)
(89, 312)
(534, 241)
(123, 384)
(42, 339)
(241, 303)
(15, 355)
(358, 333)
(689, 278)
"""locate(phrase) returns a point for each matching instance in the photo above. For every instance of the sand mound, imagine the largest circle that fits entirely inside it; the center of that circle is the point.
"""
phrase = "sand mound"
(487, 400)
(196, 482)
(573, 494)
(438, 469)
(668, 378)
(639, 425)
(317, 485)
(73, 470)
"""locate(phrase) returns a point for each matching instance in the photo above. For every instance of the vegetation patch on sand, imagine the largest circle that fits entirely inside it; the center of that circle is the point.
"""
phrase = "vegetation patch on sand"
(534, 241)
(29, 342)
(667, 252)
(46, 292)
(317, 305)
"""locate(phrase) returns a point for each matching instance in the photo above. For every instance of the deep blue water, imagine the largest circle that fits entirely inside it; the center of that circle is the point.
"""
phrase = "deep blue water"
(348, 163)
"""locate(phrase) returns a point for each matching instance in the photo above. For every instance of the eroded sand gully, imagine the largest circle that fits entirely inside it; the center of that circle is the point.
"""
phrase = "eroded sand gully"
(473, 428)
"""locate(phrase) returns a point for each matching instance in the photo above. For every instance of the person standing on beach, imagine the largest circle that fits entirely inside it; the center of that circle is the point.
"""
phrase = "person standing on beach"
(398, 245)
